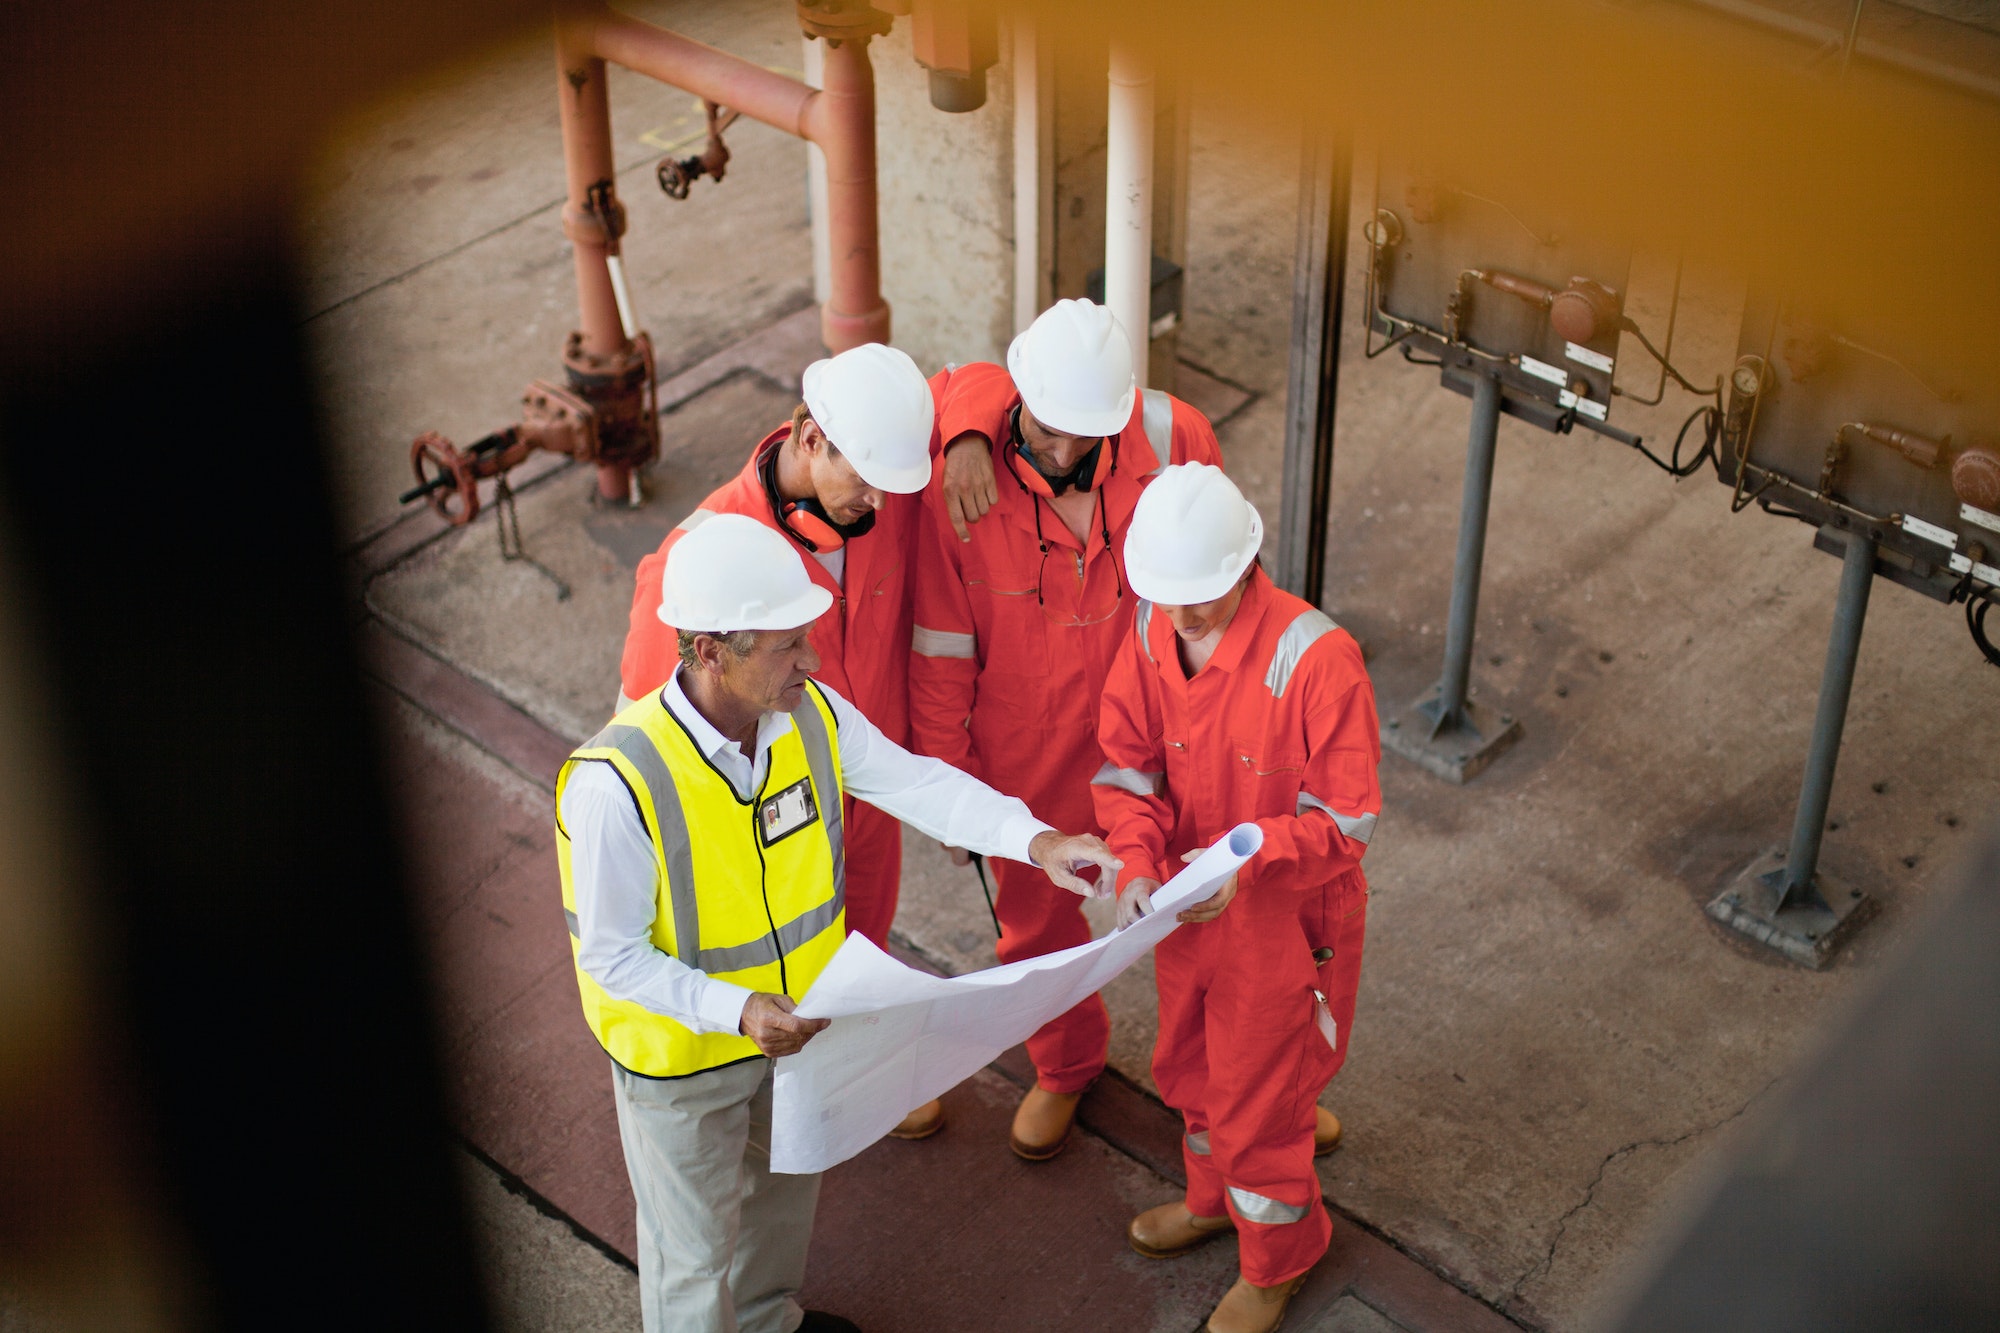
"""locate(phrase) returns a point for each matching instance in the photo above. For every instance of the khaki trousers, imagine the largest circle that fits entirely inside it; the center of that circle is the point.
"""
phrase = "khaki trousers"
(722, 1241)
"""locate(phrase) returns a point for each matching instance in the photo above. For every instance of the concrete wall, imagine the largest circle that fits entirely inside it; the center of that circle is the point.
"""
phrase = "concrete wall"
(947, 198)
(947, 210)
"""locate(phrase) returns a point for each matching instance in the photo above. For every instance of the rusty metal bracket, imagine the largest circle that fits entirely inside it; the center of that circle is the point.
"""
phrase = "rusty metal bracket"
(843, 20)
(559, 420)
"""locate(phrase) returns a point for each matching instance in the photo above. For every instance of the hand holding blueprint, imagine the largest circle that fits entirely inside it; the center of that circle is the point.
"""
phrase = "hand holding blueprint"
(901, 1037)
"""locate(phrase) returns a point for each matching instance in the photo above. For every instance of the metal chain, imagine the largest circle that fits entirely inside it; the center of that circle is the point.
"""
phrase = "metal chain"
(507, 523)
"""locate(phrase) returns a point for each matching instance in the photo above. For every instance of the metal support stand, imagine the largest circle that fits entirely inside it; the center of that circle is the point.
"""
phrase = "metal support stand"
(1445, 731)
(1781, 900)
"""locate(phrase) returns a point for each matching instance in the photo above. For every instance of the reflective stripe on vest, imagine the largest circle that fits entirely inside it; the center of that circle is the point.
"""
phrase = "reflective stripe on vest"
(765, 915)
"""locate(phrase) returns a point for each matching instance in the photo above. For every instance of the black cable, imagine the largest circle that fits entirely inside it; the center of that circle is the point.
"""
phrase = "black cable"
(979, 864)
(1672, 465)
(1978, 601)
(1668, 366)
(1976, 607)
(1418, 360)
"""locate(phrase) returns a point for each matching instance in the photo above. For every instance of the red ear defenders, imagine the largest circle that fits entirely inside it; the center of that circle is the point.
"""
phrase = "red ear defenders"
(810, 524)
(1088, 474)
(804, 519)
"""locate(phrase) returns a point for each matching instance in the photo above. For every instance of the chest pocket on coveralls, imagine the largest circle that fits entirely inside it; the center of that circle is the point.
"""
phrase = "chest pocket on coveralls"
(1271, 768)
(1017, 652)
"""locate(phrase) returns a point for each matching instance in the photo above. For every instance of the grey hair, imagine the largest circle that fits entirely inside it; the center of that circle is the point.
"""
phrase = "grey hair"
(738, 641)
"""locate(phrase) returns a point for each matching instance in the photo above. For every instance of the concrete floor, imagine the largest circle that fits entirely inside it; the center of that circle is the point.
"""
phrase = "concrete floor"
(1550, 1034)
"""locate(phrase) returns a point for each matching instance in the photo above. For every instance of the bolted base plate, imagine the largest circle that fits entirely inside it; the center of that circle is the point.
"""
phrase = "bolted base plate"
(1807, 933)
(1456, 754)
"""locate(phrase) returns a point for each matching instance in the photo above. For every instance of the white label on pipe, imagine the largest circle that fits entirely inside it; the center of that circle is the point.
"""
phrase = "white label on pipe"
(1930, 532)
(1984, 573)
(1594, 410)
(1542, 370)
(1979, 516)
(1583, 356)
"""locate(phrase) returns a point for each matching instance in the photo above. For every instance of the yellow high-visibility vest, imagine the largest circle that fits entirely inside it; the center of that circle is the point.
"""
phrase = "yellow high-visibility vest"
(752, 892)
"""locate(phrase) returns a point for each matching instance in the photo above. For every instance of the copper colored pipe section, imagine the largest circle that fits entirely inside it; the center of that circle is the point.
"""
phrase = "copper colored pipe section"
(840, 119)
(702, 70)
(587, 158)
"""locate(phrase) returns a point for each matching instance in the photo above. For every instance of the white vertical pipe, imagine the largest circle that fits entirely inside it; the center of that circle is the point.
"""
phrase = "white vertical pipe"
(1027, 172)
(816, 193)
(1128, 200)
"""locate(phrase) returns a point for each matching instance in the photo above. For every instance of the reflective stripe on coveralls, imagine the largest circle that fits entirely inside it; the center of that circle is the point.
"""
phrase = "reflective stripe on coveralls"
(1012, 643)
(776, 940)
(1360, 828)
(1307, 630)
(1129, 779)
(1256, 1207)
(938, 643)
(1279, 727)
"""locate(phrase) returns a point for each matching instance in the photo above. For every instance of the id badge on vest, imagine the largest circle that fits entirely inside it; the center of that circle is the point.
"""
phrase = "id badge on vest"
(785, 813)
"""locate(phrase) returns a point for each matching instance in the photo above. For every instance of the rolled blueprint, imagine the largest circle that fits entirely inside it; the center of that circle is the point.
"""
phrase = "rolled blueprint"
(900, 1037)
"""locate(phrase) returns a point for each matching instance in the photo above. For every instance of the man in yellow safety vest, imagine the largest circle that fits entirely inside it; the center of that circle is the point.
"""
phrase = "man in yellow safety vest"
(700, 841)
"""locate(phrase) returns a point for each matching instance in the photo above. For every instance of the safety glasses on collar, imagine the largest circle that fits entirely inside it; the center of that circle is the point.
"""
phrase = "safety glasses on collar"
(806, 521)
(1084, 615)
(1038, 494)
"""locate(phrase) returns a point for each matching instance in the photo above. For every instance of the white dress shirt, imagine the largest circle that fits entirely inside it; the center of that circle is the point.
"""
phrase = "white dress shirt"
(616, 879)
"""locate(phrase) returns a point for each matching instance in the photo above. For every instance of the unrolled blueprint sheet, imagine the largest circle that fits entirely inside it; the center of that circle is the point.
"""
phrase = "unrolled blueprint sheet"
(900, 1037)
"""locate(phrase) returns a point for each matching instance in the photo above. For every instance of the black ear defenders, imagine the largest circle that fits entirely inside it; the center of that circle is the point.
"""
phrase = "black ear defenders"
(1088, 474)
(806, 520)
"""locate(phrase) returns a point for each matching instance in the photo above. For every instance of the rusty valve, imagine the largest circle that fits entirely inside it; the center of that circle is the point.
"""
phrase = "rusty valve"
(678, 175)
(607, 412)
(448, 477)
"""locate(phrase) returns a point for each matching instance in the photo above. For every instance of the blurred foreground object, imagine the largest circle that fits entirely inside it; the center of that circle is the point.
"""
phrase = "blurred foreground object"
(1868, 1197)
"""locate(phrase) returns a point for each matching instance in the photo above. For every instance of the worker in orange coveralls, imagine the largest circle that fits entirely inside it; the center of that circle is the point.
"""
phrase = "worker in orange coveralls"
(843, 480)
(1232, 701)
(1018, 618)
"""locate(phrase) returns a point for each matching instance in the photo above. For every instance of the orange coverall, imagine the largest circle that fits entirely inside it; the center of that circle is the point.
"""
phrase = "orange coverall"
(1010, 650)
(1278, 728)
(862, 642)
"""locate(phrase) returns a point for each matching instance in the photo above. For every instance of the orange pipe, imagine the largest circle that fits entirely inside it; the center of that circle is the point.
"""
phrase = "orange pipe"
(587, 159)
(840, 119)
(702, 70)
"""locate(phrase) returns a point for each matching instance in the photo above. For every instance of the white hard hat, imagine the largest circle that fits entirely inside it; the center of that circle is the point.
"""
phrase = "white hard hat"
(1073, 367)
(730, 573)
(1192, 536)
(875, 405)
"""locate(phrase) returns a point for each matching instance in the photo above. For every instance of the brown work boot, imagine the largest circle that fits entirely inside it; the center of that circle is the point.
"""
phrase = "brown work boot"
(1171, 1229)
(1326, 1131)
(1042, 1124)
(1248, 1308)
(921, 1123)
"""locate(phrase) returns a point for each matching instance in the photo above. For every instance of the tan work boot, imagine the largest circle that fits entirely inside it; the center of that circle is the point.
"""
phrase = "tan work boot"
(921, 1123)
(1171, 1229)
(1042, 1124)
(1326, 1131)
(1247, 1308)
